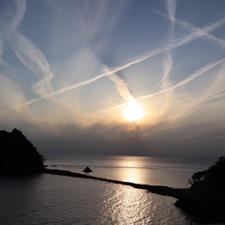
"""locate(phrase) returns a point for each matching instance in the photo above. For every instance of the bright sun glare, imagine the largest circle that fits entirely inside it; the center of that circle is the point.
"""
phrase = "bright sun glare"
(133, 111)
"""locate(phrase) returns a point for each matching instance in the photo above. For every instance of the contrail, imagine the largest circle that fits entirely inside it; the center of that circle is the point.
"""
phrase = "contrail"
(32, 58)
(193, 76)
(121, 86)
(91, 80)
(196, 74)
(12, 25)
(215, 96)
(191, 27)
(27, 53)
(201, 32)
(21, 8)
(176, 43)
(215, 85)
(171, 8)
(168, 60)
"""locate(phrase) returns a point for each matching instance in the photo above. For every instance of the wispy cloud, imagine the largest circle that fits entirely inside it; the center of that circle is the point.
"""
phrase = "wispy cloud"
(171, 8)
(180, 82)
(27, 53)
(20, 10)
(33, 59)
(11, 93)
(167, 63)
(10, 89)
(165, 82)
(200, 32)
(121, 86)
(10, 24)
(191, 77)
(218, 94)
(215, 89)
(192, 28)
(175, 43)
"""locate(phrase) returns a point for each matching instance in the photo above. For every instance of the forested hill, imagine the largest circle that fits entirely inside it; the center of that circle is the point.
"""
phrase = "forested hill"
(18, 155)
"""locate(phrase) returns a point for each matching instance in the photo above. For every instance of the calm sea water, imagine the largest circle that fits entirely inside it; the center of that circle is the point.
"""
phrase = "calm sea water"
(58, 200)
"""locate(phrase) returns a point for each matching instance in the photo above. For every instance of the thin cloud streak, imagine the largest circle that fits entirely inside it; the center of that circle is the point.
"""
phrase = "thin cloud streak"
(11, 25)
(192, 28)
(21, 8)
(171, 8)
(33, 59)
(26, 52)
(176, 43)
(200, 32)
(165, 82)
(193, 76)
(213, 97)
(168, 60)
(121, 86)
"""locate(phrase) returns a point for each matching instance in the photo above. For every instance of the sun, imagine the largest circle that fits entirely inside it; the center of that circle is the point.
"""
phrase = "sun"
(133, 111)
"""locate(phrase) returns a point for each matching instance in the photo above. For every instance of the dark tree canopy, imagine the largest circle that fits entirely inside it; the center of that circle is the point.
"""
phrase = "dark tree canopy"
(18, 155)
(215, 175)
(205, 200)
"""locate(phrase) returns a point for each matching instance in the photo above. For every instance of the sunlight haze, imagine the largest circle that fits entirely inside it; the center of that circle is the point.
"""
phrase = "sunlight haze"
(75, 74)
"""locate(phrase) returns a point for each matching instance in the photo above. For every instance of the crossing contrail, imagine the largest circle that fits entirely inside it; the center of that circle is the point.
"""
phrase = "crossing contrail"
(193, 76)
(176, 43)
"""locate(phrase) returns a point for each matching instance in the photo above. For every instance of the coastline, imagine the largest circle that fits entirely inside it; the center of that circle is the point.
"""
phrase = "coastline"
(157, 189)
(188, 199)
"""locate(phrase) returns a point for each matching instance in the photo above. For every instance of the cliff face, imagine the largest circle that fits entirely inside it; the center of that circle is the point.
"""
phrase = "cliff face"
(18, 155)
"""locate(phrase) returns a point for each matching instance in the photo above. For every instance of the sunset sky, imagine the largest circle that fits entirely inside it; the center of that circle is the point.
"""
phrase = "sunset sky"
(69, 70)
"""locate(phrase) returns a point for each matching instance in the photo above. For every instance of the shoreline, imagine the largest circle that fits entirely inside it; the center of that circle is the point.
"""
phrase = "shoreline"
(188, 199)
(157, 189)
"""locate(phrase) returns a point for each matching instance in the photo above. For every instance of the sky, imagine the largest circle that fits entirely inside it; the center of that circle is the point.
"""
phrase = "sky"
(69, 68)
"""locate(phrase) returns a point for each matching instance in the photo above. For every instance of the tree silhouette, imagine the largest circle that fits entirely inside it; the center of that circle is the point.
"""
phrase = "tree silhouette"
(215, 175)
(18, 155)
(205, 200)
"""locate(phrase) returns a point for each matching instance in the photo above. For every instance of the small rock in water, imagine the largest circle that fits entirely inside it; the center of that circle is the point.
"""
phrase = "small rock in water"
(87, 170)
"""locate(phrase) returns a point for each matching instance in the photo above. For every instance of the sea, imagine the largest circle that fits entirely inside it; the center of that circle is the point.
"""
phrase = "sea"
(59, 200)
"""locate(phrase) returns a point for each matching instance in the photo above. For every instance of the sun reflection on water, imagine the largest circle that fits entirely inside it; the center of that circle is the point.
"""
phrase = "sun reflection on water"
(132, 169)
(125, 205)
(131, 175)
(131, 206)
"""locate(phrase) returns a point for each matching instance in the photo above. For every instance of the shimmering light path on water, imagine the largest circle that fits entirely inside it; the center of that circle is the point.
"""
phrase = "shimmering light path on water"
(56, 200)
(136, 169)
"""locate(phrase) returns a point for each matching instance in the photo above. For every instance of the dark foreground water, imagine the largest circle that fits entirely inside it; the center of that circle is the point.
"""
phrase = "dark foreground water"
(56, 200)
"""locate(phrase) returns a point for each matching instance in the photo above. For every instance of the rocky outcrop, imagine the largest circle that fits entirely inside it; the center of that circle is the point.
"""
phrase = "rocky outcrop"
(87, 170)
(18, 155)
